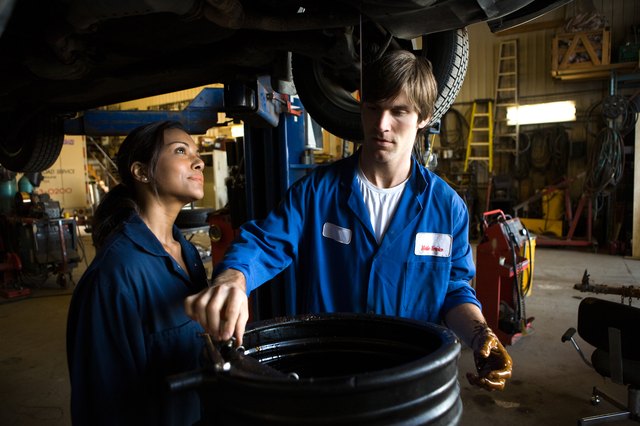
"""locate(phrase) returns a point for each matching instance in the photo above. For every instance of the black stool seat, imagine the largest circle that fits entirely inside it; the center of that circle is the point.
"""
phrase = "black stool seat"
(614, 330)
(630, 368)
(596, 316)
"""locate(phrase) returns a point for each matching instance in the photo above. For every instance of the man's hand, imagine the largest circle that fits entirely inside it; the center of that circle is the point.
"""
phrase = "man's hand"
(493, 363)
(222, 309)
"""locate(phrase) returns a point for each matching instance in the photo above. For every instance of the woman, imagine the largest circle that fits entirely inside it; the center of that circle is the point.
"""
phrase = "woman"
(127, 329)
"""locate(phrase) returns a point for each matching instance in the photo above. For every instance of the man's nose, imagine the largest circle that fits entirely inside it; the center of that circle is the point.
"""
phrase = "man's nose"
(383, 119)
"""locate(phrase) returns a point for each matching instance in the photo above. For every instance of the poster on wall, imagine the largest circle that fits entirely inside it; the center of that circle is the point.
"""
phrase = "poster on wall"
(66, 180)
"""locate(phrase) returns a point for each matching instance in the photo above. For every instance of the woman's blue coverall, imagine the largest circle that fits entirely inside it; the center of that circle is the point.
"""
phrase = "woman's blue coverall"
(127, 331)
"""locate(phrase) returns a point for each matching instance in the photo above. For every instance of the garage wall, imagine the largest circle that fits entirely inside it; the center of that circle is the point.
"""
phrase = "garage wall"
(535, 40)
(536, 84)
(535, 54)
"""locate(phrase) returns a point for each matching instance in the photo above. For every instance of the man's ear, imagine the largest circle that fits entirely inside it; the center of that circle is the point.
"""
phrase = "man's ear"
(423, 123)
(139, 172)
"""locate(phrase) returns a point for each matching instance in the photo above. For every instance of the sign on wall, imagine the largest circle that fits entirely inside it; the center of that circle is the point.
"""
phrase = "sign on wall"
(66, 180)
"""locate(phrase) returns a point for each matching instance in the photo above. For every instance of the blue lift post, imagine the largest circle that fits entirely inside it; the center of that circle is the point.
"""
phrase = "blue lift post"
(273, 146)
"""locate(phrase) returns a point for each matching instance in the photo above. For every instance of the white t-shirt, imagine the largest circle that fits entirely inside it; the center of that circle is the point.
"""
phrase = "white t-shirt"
(381, 203)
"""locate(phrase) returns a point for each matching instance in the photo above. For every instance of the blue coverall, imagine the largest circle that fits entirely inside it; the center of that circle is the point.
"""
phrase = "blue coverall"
(127, 331)
(421, 269)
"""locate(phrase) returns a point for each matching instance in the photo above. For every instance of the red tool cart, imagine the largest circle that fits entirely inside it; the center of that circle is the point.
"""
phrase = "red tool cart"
(504, 263)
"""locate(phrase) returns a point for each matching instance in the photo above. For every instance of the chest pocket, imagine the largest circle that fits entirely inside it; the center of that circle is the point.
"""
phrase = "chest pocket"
(424, 288)
(175, 349)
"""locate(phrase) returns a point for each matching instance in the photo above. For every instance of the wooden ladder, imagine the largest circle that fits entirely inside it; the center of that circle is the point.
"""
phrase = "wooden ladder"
(480, 138)
(506, 136)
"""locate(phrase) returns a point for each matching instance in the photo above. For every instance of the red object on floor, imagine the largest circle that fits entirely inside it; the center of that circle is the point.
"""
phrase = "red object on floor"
(500, 264)
(10, 289)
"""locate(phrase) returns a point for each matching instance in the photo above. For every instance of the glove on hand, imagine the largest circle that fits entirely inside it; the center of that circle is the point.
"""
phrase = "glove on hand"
(493, 363)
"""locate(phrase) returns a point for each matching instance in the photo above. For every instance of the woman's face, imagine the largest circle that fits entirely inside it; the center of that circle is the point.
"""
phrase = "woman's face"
(178, 172)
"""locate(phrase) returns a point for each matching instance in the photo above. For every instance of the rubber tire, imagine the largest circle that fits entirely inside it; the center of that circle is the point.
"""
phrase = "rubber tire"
(338, 112)
(31, 145)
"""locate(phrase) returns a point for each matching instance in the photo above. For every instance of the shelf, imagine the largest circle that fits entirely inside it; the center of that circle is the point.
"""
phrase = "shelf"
(581, 49)
(594, 72)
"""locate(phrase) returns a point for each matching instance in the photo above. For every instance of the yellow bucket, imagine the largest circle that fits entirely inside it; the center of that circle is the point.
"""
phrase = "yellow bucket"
(552, 205)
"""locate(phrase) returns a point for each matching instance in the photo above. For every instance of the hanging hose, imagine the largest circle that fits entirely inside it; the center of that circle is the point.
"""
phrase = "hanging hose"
(453, 136)
(520, 315)
(523, 166)
(621, 109)
(520, 312)
(540, 151)
(606, 162)
(559, 149)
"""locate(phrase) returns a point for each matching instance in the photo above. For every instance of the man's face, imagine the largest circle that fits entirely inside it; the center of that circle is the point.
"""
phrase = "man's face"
(390, 130)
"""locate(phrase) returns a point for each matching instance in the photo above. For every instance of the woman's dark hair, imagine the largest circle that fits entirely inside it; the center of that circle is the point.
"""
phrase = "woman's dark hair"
(142, 145)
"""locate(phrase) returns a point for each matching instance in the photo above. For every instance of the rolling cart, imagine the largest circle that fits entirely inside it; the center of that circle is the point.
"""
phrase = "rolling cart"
(504, 260)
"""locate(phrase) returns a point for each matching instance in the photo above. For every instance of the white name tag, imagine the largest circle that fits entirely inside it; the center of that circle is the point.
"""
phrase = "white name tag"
(432, 244)
(335, 232)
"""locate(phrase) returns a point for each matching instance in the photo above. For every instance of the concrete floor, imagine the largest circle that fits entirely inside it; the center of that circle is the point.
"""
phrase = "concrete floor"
(550, 384)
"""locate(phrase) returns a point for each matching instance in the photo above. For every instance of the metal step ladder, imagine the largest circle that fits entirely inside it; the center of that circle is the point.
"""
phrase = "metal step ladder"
(506, 136)
(480, 138)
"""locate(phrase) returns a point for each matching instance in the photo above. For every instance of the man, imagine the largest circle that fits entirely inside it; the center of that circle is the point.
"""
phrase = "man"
(376, 232)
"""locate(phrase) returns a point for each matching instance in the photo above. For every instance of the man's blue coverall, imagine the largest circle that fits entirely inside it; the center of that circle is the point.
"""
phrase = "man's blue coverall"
(421, 269)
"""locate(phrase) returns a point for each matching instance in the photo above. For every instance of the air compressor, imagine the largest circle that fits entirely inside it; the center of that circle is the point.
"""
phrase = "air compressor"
(504, 274)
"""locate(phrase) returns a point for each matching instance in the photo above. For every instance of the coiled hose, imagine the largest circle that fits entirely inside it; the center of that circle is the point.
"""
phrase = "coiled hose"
(606, 162)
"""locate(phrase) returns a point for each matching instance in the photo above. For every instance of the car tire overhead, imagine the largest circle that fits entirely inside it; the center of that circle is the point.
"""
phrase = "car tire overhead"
(337, 111)
(31, 145)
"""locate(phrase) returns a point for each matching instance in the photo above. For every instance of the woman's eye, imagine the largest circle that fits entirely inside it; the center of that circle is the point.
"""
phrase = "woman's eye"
(181, 150)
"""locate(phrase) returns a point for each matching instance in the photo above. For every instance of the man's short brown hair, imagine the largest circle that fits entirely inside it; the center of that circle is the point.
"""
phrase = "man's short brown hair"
(400, 71)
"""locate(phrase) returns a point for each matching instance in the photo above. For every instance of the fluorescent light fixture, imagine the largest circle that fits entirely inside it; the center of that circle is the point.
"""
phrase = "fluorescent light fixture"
(551, 112)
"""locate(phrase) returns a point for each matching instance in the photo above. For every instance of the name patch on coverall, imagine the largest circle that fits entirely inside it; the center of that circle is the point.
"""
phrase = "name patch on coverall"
(432, 244)
(335, 232)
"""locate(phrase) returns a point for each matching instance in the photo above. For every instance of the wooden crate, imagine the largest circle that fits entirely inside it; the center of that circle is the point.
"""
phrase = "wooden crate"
(581, 50)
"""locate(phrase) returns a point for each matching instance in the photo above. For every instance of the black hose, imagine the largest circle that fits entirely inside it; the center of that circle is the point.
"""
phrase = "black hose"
(517, 289)
(606, 162)
(454, 137)
(540, 151)
(520, 312)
